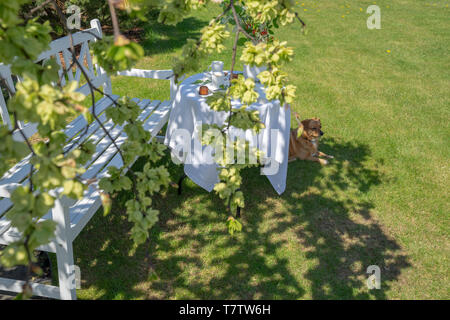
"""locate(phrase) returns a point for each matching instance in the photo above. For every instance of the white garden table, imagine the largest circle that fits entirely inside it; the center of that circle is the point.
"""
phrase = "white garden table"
(189, 110)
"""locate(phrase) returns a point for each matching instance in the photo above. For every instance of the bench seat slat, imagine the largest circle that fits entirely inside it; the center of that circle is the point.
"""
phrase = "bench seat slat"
(5, 204)
(83, 210)
(17, 173)
(23, 168)
(103, 144)
(80, 122)
(92, 134)
(110, 157)
(110, 151)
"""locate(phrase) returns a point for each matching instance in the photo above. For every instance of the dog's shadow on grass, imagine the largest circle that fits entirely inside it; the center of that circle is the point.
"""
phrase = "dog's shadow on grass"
(315, 241)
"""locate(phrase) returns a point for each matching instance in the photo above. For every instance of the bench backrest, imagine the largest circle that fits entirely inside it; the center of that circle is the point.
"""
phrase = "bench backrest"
(60, 50)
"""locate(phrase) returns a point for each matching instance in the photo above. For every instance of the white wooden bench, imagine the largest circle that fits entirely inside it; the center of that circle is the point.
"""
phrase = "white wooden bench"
(71, 217)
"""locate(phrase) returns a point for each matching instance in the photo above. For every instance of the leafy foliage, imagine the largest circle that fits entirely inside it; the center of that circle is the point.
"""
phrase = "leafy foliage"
(258, 51)
(115, 55)
(143, 184)
(40, 98)
(89, 9)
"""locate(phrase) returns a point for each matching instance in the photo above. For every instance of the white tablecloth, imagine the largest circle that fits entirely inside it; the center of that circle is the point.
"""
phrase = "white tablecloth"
(189, 110)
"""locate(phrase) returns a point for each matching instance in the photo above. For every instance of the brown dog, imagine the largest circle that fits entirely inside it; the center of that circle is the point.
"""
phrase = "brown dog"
(306, 147)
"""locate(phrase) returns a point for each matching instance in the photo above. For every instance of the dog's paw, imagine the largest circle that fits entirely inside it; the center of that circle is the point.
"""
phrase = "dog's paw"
(330, 157)
(323, 162)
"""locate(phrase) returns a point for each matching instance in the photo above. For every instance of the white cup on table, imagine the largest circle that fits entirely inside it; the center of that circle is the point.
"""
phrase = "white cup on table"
(217, 79)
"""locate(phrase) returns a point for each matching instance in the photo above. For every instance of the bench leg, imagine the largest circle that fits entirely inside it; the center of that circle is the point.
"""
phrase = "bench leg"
(64, 252)
(238, 209)
(180, 183)
(238, 212)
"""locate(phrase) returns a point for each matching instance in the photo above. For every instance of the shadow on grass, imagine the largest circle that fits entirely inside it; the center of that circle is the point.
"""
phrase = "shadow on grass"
(338, 229)
(160, 38)
(314, 241)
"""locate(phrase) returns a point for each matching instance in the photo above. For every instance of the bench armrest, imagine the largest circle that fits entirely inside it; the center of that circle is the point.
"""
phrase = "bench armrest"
(153, 74)
(149, 74)
(7, 189)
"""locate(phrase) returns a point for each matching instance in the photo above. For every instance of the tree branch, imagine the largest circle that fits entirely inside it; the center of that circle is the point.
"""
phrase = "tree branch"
(238, 24)
(299, 19)
(86, 76)
(24, 137)
(29, 14)
(221, 15)
(233, 62)
(115, 23)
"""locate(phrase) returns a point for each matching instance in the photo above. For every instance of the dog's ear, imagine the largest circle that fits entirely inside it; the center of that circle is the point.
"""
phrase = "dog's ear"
(305, 123)
(303, 127)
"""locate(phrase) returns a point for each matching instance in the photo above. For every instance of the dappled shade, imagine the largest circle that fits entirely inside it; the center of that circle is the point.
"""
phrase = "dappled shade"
(316, 232)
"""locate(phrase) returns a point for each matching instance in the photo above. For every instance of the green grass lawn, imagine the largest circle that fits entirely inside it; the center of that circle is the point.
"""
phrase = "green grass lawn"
(382, 96)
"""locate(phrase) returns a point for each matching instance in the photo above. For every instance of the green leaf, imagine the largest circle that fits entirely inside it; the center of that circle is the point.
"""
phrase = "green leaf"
(299, 131)
(106, 202)
(233, 225)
